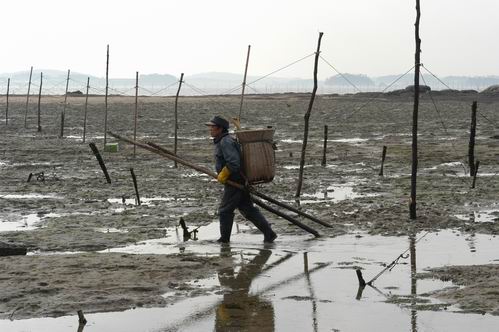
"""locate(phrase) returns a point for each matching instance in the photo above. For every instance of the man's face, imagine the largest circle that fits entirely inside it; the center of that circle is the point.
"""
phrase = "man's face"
(215, 131)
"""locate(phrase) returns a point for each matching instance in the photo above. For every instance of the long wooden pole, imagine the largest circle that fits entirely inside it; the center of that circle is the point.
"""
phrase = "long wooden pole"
(7, 106)
(471, 145)
(259, 194)
(136, 114)
(176, 117)
(307, 117)
(412, 206)
(193, 166)
(244, 83)
(27, 98)
(105, 100)
(86, 108)
(63, 113)
(39, 103)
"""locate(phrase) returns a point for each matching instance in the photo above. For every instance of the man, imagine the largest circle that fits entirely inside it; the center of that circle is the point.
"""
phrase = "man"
(228, 167)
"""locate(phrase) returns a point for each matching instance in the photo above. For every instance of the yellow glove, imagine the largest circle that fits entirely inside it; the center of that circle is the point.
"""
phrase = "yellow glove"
(223, 176)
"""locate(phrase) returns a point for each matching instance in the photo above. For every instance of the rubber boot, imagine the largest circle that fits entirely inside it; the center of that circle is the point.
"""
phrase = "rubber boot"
(226, 221)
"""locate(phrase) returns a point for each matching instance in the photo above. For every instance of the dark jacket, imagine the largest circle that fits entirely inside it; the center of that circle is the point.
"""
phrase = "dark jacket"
(228, 153)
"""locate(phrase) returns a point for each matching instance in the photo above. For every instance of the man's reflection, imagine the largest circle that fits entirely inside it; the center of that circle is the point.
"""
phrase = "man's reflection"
(239, 310)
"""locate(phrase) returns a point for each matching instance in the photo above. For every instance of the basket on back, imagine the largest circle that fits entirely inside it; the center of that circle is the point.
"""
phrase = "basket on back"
(258, 154)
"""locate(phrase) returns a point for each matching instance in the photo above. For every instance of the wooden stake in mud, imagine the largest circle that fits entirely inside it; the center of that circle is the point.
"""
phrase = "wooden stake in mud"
(136, 115)
(414, 172)
(307, 117)
(105, 99)
(471, 146)
(63, 113)
(27, 98)
(383, 156)
(134, 179)
(101, 162)
(39, 103)
(475, 173)
(86, 108)
(176, 116)
(244, 83)
(7, 106)
(324, 149)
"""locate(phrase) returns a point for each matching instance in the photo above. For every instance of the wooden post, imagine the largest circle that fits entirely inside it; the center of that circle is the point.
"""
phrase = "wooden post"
(63, 113)
(136, 111)
(39, 102)
(244, 83)
(471, 146)
(27, 98)
(134, 179)
(475, 173)
(176, 117)
(105, 100)
(86, 108)
(307, 117)
(324, 149)
(7, 106)
(383, 156)
(414, 172)
(101, 162)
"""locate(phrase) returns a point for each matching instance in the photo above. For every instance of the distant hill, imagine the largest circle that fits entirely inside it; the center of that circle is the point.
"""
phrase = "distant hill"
(222, 83)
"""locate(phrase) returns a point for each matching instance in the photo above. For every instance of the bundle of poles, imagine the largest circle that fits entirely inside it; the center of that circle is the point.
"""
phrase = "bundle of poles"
(255, 195)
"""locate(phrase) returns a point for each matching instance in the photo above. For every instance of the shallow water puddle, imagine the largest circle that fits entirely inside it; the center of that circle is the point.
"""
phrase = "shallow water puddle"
(480, 216)
(30, 196)
(334, 194)
(302, 284)
(24, 223)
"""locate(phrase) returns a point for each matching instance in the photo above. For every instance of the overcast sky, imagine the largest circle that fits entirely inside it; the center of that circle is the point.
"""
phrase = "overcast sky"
(373, 37)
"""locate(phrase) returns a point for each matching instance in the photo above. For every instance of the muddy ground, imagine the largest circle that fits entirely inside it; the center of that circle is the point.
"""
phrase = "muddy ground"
(77, 211)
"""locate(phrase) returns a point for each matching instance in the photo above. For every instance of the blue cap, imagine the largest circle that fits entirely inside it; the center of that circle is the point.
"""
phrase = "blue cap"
(219, 122)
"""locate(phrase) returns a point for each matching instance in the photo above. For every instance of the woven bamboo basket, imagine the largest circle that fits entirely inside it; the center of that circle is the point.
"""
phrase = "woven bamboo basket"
(258, 154)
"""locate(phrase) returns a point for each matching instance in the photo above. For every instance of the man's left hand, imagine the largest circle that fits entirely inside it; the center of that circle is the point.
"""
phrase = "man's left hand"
(223, 176)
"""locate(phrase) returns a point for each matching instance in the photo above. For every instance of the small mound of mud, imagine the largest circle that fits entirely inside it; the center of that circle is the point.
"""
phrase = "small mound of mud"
(480, 292)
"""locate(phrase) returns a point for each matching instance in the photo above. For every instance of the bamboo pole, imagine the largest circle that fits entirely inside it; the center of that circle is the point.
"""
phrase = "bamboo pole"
(63, 113)
(39, 103)
(86, 109)
(193, 166)
(414, 172)
(471, 146)
(136, 111)
(307, 117)
(176, 117)
(266, 197)
(244, 83)
(105, 99)
(7, 102)
(324, 149)
(27, 98)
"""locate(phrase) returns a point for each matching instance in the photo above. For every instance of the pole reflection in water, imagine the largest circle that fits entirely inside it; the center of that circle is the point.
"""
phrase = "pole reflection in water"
(312, 293)
(414, 294)
(239, 310)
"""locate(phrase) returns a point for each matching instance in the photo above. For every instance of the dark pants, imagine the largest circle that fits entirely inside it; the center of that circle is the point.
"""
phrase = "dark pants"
(232, 199)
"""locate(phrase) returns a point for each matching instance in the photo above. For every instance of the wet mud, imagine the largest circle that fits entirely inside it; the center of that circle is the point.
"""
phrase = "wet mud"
(70, 214)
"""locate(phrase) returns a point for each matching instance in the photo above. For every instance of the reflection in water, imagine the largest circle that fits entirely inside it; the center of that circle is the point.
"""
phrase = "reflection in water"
(311, 290)
(414, 313)
(240, 311)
